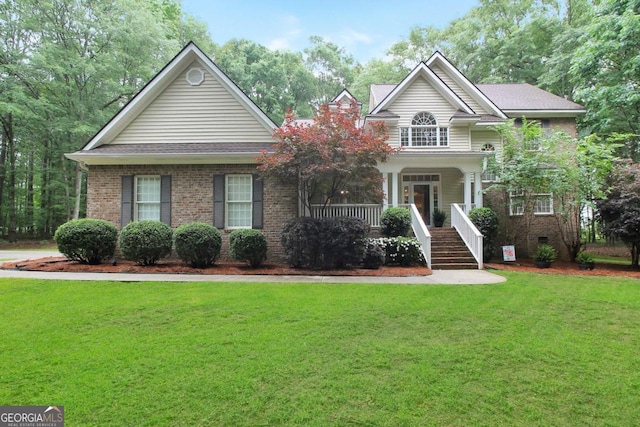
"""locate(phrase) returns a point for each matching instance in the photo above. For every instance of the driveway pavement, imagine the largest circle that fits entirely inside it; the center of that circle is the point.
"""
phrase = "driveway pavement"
(447, 277)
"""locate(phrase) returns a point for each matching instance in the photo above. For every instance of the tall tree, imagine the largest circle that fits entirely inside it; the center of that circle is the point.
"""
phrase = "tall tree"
(333, 67)
(606, 70)
(275, 81)
(619, 212)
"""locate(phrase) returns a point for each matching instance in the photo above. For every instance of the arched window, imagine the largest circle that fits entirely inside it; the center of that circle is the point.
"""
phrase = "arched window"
(424, 132)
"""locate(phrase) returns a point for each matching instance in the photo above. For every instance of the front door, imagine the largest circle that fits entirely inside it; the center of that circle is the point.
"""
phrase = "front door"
(422, 200)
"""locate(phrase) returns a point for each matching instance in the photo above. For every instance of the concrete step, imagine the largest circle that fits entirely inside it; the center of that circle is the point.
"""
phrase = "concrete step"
(456, 266)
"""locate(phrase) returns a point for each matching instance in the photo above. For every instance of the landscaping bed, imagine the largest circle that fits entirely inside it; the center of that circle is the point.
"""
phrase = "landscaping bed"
(61, 264)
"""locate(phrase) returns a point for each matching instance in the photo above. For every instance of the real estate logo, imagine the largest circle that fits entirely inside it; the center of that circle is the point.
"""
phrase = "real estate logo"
(31, 416)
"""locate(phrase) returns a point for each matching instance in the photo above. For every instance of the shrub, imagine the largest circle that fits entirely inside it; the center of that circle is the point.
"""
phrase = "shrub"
(248, 245)
(402, 251)
(324, 243)
(341, 241)
(374, 255)
(145, 242)
(88, 241)
(198, 244)
(300, 241)
(395, 222)
(486, 221)
(545, 253)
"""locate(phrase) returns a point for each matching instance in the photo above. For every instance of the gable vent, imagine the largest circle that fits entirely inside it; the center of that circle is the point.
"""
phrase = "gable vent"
(195, 76)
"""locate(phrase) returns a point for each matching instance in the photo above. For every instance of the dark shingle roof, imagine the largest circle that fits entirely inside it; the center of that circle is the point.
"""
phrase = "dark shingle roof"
(180, 148)
(523, 96)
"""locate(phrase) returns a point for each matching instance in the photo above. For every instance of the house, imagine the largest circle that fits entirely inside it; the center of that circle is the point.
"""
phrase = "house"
(184, 148)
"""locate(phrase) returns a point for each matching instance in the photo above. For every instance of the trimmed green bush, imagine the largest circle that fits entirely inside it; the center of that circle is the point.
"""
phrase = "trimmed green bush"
(197, 244)
(248, 245)
(404, 251)
(395, 222)
(145, 242)
(486, 221)
(88, 241)
(324, 243)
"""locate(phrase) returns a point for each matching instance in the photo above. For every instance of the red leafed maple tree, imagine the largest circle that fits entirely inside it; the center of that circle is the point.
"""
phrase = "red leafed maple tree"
(329, 155)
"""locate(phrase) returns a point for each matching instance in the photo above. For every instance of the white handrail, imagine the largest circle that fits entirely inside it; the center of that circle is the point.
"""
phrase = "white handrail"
(468, 232)
(421, 232)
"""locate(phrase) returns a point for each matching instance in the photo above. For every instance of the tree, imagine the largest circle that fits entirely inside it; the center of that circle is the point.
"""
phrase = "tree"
(573, 171)
(606, 70)
(619, 212)
(333, 68)
(328, 155)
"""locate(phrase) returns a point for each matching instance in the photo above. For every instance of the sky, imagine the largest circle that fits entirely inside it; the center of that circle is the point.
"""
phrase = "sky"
(365, 29)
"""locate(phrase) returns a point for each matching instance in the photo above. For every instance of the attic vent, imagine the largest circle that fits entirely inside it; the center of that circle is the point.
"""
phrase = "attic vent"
(195, 76)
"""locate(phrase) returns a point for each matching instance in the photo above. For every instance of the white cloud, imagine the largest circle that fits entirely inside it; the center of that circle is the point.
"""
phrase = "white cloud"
(279, 44)
(351, 36)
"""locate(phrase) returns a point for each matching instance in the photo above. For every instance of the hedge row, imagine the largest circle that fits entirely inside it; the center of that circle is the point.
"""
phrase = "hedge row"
(92, 241)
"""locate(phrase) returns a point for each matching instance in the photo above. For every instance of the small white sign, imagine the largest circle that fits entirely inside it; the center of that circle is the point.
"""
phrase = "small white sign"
(509, 253)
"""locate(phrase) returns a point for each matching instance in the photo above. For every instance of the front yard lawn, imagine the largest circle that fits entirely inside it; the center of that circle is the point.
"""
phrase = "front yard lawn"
(536, 350)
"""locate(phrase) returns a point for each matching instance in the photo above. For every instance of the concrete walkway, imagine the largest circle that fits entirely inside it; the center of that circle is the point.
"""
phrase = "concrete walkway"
(445, 277)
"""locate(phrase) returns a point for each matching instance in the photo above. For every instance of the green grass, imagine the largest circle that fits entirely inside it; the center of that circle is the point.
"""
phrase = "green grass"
(608, 259)
(538, 350)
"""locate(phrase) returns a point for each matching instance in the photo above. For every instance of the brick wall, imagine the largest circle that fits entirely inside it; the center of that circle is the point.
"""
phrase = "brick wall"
(191, 197)
(542, 228)
(566, 124)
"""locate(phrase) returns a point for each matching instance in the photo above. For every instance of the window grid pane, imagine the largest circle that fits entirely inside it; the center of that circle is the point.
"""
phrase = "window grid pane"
(239, 201)
(147, 198)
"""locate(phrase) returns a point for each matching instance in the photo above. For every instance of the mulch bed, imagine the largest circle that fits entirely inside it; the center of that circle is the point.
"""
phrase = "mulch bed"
(567, 268)
(58, 264)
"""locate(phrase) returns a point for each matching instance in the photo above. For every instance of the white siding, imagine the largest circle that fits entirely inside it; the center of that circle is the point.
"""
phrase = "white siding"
(421, 96)
(475, 106)
(198, 114)
(479, 138)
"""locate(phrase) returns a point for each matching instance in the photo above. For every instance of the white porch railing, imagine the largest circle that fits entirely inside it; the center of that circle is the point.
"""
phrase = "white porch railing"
(369, 212)
(421, 232)
(469, 233)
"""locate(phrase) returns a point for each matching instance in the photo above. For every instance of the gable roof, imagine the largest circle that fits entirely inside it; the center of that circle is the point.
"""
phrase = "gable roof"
(160, 82)
(422, 70)
(523, 97)
(439, 59)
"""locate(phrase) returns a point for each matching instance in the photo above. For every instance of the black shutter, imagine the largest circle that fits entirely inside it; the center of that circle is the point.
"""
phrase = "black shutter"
(126, 200)
(165, 199)
(218, 201)
(257, 211)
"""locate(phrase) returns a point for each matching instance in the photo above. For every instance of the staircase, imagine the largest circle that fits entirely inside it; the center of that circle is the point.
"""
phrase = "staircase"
(448, 251)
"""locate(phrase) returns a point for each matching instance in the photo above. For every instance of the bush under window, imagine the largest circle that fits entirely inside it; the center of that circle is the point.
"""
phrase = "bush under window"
(146, 242)
(198, 244)
(248, 245)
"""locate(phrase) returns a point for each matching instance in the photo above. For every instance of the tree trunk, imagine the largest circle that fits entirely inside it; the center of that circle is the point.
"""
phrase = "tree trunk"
(3, 168)
(7, 128)
(76, 208)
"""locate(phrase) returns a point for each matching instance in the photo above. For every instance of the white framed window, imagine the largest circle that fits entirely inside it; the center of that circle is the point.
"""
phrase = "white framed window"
(239, 191)
(542, 203)
(147, 198)
(424, 132)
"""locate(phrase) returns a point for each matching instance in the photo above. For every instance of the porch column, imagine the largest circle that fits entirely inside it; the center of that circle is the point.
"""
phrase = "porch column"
(477, 182)
(394, 188)
(467, 192)
(385, 191)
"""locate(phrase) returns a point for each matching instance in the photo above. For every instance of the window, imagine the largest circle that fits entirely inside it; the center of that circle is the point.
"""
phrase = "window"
(424, 132)
(487, 175)
(535, 144)
(147, 198)
(239, 201)
(542, 203)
